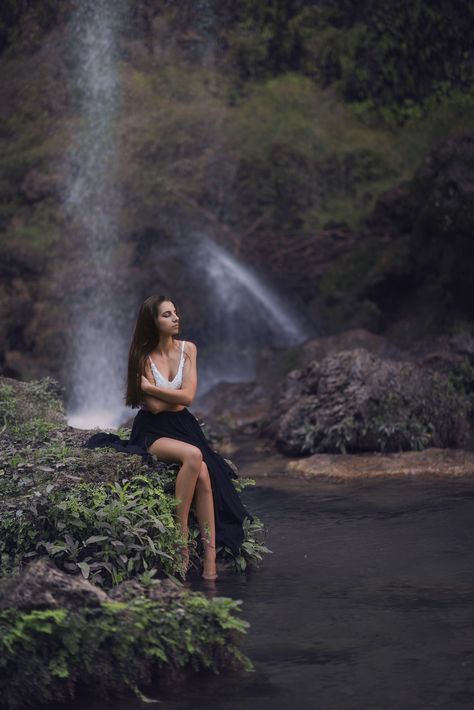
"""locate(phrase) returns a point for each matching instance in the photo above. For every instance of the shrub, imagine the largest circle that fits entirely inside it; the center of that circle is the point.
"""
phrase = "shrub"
(49, 655)
(108, 531)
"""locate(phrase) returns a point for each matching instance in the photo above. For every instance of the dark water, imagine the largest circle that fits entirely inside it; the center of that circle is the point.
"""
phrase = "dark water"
(366, 603)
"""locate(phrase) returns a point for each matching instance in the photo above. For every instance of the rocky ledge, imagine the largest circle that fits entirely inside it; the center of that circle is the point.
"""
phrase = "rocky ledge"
(445, 463)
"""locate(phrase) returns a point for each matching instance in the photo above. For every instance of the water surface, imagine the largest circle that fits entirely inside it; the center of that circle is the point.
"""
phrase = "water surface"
(366, 603)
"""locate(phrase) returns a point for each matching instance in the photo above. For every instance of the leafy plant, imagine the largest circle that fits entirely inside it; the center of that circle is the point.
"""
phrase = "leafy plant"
(109, 531)
(252, 548)
(120, 645)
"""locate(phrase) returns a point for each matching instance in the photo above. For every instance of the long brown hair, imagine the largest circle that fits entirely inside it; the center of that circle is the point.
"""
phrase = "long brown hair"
(145, 339)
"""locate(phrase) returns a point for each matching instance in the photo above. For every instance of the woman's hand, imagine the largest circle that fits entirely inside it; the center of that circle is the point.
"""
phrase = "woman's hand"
(145, 385)
(154, 405)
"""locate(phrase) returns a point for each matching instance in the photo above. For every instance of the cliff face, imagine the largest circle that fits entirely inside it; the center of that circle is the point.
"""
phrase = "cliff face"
(259, 126)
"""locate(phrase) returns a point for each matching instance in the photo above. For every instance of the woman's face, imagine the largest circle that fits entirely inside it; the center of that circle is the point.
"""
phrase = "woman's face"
(168, 319)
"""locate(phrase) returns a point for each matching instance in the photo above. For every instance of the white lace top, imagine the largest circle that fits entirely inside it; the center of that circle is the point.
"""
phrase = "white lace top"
(161, 381)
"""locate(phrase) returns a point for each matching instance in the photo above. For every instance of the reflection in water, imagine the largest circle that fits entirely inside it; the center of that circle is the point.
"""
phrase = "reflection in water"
(366, 602)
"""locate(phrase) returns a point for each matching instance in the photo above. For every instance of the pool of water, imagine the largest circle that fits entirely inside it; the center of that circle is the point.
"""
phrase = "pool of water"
(366, 602)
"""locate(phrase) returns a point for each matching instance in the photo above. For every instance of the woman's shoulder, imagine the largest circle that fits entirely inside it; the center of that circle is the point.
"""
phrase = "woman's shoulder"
(189, 346)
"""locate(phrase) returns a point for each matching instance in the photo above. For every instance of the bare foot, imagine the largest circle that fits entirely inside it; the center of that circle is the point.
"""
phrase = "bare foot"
(209, 561)
(185, 558)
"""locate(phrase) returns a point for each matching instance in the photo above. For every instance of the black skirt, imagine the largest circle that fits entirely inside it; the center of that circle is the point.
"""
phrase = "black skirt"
(229, 511)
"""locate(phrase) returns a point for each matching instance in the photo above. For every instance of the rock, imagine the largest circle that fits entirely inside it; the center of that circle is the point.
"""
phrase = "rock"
(463, 343)
(395, 210)
(357, 401)
(431, 462)
(21, 270)
(274, 366)
(161, 589)
(234, 405)
(63, 635)
(43, 586)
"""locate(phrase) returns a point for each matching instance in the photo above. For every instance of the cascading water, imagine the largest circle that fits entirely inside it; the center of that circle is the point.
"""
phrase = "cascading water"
(243, 313)
(97, 352)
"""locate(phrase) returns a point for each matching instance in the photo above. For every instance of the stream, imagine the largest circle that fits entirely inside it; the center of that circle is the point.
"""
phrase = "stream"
(366, 602)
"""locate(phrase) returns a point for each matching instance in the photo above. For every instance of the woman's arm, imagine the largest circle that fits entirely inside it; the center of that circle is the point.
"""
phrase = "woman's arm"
(153, 404)
(186, 394)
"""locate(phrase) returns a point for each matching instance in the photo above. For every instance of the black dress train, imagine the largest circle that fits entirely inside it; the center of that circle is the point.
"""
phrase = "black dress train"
(229, 511)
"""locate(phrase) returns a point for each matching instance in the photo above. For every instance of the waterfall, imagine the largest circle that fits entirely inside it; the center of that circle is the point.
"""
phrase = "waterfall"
(244, 314)
(97, 351)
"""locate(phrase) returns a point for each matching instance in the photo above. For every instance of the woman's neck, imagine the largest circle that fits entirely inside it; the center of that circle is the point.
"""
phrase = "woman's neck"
(165, 345)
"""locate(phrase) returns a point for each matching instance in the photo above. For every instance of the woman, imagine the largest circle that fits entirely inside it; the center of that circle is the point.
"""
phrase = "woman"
(162, 380)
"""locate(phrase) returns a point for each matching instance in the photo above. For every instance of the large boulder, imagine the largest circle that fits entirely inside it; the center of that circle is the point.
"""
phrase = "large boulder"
(357, 401)
(43, 586)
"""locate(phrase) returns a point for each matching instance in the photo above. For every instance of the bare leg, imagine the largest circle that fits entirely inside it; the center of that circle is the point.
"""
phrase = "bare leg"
(172, 451)
(204, 506)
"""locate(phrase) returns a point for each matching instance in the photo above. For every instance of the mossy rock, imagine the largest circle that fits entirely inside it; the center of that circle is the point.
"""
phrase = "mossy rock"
(69, 637)
(104, 514)
(100, 513)
(356, 401)
(30, 410)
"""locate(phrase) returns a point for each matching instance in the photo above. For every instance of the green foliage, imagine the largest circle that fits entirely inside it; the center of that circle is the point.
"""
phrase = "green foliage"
(252, 548)
(303, 161)
(30, 411)
(54, 500)
(109, 531)
(398, 55)
(270, 38)
(115, 647)
(379, 55)
(399, 428)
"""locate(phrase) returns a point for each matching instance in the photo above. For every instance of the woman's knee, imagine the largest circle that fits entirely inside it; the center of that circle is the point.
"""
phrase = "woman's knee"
(193, 456)
(173, 450)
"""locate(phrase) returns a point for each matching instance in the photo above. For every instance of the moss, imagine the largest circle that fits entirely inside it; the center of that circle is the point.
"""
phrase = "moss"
(31, 411)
